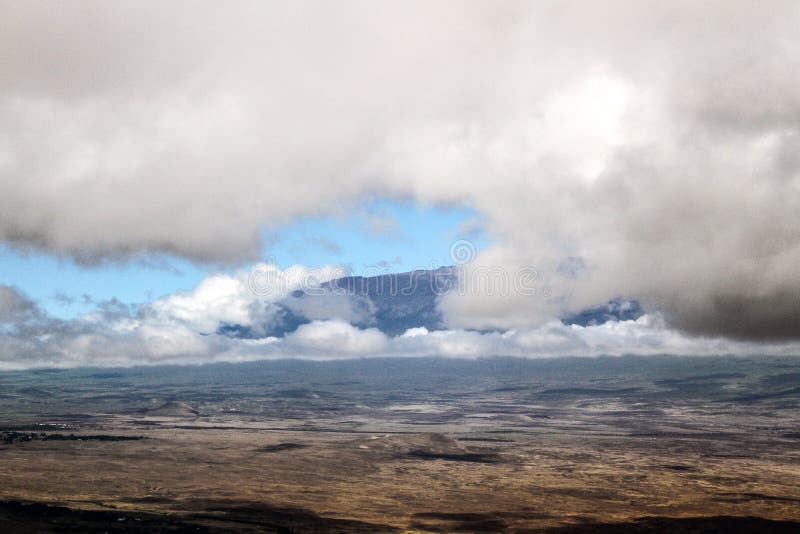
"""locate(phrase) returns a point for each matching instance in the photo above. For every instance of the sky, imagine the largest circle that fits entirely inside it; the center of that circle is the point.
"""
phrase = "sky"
(151, 156)
(378, 236)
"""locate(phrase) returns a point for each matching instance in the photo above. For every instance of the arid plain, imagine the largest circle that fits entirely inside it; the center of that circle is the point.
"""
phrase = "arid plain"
(571, 445)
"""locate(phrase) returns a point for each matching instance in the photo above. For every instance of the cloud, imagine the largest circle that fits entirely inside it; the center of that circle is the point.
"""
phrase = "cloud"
(337, 338)
(177, 330)
(655, 142)
(14, 304)
(218, 299)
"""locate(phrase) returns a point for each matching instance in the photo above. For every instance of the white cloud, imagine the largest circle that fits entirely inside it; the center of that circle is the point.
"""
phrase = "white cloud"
(218, 299)
(336, 338)
(32, 339)
(656, 141)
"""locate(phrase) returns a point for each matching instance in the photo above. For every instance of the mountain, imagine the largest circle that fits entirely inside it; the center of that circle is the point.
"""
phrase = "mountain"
(398, 301)
(392, 303)
(614, 310)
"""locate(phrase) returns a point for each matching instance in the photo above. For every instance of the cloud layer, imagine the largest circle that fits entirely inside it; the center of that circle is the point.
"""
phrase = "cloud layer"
(184, 328)
(653, 144)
